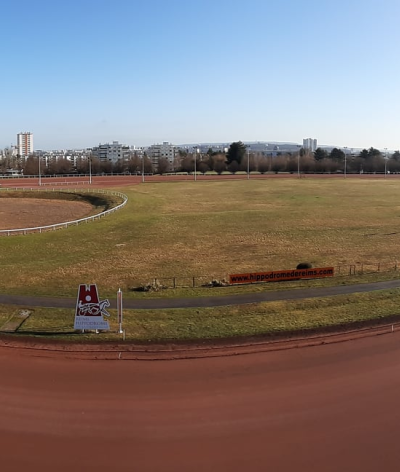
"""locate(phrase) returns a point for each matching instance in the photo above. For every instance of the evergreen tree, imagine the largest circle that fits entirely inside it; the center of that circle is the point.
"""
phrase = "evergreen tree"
(236, 152)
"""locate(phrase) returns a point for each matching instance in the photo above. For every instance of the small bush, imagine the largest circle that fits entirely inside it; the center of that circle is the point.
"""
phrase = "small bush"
(216, 283)
(150, 287)
(304, 265)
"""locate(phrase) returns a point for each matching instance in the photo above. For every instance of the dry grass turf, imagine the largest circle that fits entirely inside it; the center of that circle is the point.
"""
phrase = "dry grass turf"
(210, 229)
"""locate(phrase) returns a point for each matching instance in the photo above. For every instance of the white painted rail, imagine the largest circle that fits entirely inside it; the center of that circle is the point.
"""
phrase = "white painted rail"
(40, 229)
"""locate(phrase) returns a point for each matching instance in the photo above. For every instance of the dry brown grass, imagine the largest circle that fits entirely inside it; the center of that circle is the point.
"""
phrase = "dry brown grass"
(211, 229)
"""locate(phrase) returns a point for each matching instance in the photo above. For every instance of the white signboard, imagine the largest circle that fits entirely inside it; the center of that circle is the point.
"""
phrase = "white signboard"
(90, 310)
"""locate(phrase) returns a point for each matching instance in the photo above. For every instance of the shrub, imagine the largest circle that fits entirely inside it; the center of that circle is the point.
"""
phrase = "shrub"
(304, 265)
(150, 287)
(216, 283)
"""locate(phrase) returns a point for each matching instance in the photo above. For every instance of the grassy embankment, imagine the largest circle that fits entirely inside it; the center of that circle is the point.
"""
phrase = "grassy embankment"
(213, 229)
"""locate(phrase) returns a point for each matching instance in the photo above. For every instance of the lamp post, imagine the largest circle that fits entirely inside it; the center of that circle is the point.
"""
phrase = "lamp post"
(195, 164)
(298, 165)
(90, 170)
(385, 161)
(40, 175)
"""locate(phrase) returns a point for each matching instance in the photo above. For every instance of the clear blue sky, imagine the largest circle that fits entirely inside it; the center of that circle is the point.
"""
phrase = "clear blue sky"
(76, 73)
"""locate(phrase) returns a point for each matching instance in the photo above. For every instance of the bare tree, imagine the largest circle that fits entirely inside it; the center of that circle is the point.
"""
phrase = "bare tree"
(134, 164)
(31, 165)
(263, 165)
(219, 163)
(119, 166)
(163, 165)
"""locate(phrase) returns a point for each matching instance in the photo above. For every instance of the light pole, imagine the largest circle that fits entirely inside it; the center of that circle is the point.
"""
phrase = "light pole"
(143, 168)
(298, 165)
(385, 161)
(40, 175)
(90, 170)
(248, 163)
(195, 164)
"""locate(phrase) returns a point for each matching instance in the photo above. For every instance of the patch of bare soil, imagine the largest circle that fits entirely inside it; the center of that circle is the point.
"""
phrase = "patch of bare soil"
(18, 213)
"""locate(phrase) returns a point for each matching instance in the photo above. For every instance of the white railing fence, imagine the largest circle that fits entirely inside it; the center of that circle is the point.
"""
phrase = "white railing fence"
(40, 229)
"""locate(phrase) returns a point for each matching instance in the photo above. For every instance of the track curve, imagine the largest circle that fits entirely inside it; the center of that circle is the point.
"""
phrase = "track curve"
(326, 408)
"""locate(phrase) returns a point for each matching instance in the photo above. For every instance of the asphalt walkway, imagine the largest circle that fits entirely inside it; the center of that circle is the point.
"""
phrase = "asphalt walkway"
(206, 302)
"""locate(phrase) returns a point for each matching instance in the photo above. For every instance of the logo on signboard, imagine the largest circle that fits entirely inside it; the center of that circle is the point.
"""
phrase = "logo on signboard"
(90, 310)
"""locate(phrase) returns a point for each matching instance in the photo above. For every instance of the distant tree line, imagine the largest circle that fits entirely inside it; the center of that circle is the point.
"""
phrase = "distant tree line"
(63, 166)
(238, 158)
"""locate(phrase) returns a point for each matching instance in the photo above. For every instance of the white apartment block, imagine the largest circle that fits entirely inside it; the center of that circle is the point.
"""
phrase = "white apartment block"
(165, 150)
(310, 144)
(25, 144)
(111, 152)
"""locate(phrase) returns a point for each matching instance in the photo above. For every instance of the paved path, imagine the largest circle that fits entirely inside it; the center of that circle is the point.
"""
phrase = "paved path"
(162, 303)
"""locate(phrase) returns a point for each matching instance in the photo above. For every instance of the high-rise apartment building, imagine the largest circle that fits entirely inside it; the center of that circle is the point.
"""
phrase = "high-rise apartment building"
(165, 150)
(25, 144)
(310, 144)
(111, 152)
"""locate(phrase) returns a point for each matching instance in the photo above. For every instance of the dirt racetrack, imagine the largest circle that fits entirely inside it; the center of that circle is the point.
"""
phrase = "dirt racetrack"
(30, 212)
(125, 180)
(326, 408)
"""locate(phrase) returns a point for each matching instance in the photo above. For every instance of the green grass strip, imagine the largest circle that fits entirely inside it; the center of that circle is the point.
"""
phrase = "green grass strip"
(225, 322)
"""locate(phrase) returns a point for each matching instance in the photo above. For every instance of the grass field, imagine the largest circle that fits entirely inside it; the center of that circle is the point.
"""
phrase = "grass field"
(271, 318)
(212, 229)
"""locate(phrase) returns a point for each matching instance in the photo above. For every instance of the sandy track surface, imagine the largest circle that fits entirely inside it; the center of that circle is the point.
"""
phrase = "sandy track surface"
(18, 213)
(326, 408)
(126, 180)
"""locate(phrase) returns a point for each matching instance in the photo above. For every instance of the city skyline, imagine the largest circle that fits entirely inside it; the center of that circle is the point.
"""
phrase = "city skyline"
(307, 143)
(141, 73)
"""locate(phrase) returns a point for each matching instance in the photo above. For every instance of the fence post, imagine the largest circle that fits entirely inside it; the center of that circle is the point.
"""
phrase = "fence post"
(174, 282)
